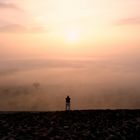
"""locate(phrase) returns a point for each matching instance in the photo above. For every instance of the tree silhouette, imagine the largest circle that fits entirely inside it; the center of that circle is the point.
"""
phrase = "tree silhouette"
(36, 85)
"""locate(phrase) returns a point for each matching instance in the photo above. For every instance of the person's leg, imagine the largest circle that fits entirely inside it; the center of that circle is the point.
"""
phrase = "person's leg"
(68, 106)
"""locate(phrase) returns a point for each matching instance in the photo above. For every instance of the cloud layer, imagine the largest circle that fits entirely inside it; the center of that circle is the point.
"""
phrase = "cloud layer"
(23, 23)
(129, 21)
(17, 28)
(11, 6)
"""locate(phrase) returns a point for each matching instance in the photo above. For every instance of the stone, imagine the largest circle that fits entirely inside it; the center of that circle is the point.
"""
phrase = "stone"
(112, 137)
(66, 127)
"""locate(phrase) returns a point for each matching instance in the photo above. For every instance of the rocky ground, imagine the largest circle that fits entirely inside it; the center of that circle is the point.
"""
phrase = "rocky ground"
(74, 125)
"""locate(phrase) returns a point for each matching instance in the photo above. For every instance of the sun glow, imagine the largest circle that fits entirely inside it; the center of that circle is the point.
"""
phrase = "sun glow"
(72, 37)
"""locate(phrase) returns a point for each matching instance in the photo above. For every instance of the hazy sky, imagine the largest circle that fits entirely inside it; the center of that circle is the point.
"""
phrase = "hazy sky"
(95, 46)
(72, 28)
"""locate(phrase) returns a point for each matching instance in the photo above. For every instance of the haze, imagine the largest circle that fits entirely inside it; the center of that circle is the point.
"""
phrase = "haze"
(87, 49)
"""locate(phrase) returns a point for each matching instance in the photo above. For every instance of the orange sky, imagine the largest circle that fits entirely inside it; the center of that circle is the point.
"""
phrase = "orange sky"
(98, 39)
(72, 28)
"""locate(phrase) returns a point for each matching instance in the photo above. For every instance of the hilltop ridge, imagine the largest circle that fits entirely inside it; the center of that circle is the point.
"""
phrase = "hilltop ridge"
(73, 125)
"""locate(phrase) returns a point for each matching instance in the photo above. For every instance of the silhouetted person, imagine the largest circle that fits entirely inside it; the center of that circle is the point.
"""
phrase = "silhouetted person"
(68, 103)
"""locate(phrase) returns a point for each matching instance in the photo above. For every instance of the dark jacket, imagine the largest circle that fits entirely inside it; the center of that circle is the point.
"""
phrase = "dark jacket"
(68, 99)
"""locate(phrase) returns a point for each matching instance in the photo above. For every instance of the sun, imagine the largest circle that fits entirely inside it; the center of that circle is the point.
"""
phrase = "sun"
(72, 37)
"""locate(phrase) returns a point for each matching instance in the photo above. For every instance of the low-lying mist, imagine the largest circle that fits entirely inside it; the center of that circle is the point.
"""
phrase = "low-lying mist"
(42, 85)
